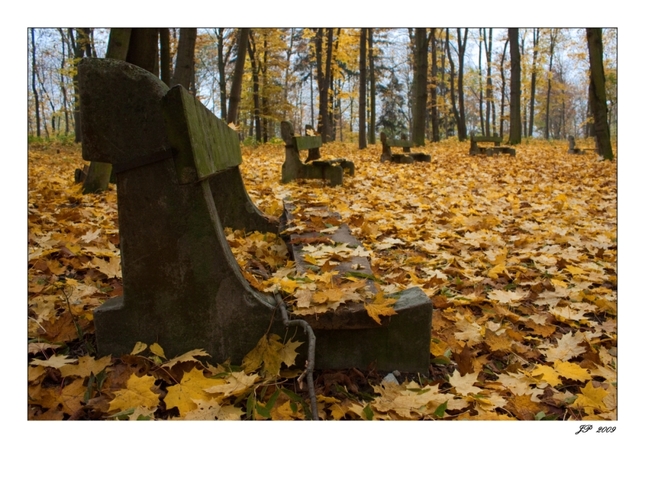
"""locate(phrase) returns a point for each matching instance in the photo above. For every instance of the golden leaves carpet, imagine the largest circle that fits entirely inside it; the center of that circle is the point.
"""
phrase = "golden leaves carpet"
(517, 254)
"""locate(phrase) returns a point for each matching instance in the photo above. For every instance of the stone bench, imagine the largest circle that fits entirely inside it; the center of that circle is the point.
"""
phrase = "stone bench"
(407, 156)
(178, 186)
(476, 149)
(576, 150)
(314, 167)
(400, 340)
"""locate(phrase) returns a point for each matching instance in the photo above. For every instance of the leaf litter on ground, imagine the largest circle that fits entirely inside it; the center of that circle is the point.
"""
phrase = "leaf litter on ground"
(517, 254)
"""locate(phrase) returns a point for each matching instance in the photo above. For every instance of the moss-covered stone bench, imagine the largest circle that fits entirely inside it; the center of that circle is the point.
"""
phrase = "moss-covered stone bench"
(178, 186)
(476, 149)
(313, 167)
(577, 150)
(407, 156)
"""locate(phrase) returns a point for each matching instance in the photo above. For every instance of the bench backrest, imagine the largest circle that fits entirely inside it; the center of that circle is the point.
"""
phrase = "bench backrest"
(207, 145)
(494, 139)
(131, 119)
(303, 143)
(403, 142)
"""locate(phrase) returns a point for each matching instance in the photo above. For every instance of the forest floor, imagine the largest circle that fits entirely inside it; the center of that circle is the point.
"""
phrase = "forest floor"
(518, 256)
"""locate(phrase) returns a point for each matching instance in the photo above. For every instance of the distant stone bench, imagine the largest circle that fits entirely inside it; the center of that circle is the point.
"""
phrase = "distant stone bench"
(576, 150)
(314, 167)
(476, 149)
(407, 156)
(178, 186)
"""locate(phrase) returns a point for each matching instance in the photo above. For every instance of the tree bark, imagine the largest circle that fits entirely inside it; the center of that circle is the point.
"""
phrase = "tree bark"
(482, 123)
(236, 87)
(118, 43)
(164, 56)
(598, 95)
(515, 133)
(489, 79)
(372, 122)
(185, 62)
(362, 89)
(453, 96)
(434, 111)
(142, 50)
(536, 41)
(503, 91)
(420, 86)
(547, 121)
(323, 74)
(461, 124)
(33, 81)
(222, 59)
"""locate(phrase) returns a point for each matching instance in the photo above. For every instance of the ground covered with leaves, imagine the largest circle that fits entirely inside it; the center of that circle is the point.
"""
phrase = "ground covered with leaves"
(518, 256)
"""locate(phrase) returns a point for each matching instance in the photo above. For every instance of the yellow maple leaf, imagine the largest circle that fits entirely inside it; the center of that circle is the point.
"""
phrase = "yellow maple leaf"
(572, 371)
(86, 365)
(236, 384)
(381, 306)
(567, 348)
(464, 384)
(138, 392)
(191, 387)
(591, 398)
(511, 297)
(269, 354)
(53, 362)
(212, 410)
(496, 271)
(188, 356)
(546, 374)
(288, 352)
(71, 396)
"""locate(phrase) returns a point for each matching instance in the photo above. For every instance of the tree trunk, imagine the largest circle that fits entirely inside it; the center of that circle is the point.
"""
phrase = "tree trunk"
(362, 89)
(598, 95)
(185, 62)
(461, 125)
(256, 87)
(323, 73)
(489, 79)
(63, 87)
(238, 76)
(143, 49)
(515, 134)
(434, 111)
(536, 41)
(222, 59)
(420, 86)
(372, 127)
(453, 98)
(33, 81)
(503, 91)
(118, 43)
(164, 56)
(482, 122)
